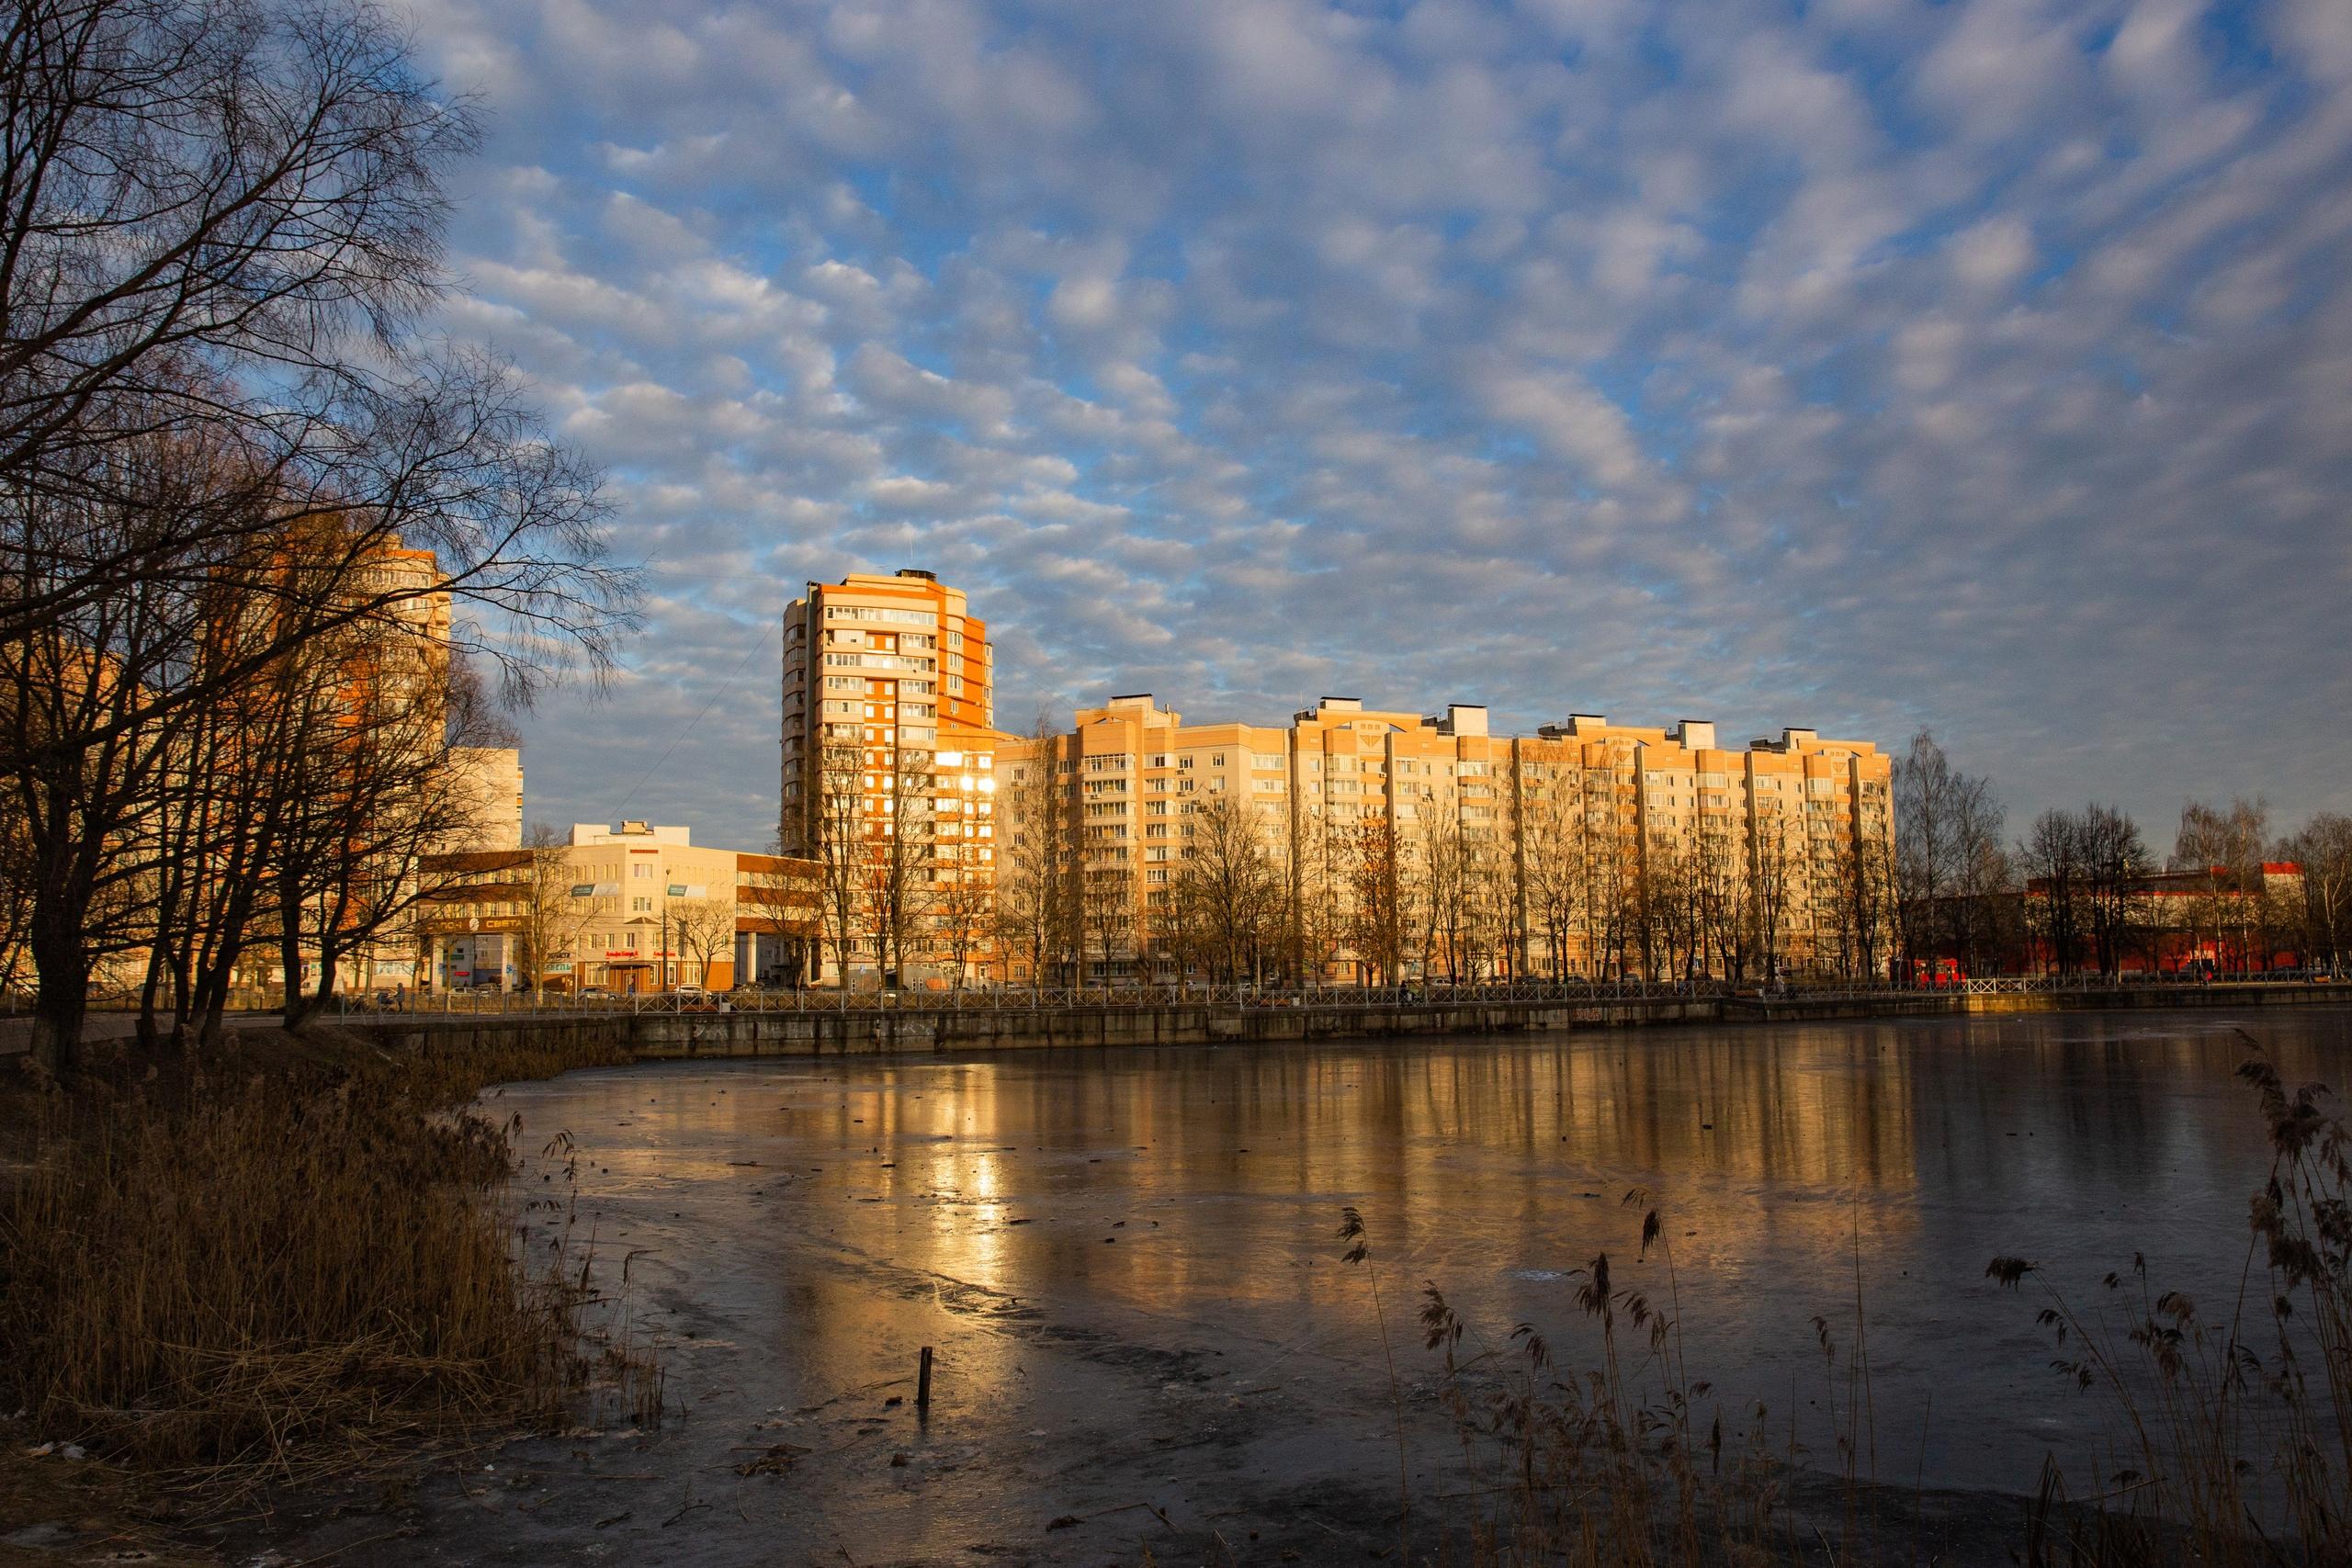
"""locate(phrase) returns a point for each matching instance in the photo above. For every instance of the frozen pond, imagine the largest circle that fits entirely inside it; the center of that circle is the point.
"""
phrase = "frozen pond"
(1126, 1262)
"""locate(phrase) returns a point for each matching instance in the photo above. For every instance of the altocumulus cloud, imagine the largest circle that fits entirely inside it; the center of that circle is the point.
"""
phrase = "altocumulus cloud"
(1865, 363)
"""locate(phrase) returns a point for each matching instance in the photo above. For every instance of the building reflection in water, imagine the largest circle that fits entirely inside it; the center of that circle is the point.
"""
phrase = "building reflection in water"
(1197, 1189)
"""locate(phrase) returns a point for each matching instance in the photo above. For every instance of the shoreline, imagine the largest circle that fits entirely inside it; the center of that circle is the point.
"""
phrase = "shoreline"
(980, 1030)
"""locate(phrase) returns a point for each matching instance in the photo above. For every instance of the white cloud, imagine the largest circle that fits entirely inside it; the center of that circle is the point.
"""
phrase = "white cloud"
(1890, 363)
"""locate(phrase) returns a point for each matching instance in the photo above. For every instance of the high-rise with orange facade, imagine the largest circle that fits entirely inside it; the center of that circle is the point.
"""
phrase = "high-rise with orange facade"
(888, 770)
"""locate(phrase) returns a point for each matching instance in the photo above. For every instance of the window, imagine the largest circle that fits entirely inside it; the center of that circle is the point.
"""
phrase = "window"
(875, 613)
(640, 905)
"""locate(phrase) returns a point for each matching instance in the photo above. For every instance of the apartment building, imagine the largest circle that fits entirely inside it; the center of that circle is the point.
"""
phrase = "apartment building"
(1586, 848)
(888, 773)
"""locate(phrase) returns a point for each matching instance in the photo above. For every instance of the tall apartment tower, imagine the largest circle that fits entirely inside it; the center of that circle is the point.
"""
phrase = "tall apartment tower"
(889, 758)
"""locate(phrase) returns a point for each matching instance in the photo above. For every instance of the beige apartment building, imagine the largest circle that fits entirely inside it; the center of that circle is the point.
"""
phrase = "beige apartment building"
(887, 779)
(1397, 845)
(639, 907)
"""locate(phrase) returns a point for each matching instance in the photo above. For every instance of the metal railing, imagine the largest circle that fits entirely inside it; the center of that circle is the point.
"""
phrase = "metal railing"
(1089, 999)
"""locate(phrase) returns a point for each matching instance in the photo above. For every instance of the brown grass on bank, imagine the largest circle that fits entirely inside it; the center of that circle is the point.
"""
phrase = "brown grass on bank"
(245, 1278)
(2226, 1441)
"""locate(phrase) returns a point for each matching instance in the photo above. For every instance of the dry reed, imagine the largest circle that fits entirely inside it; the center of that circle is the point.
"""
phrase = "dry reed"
(251, 1280)
(2227, 1433)
(2224, 1440)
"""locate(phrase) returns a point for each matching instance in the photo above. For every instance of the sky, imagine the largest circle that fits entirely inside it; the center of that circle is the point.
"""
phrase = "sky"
(1864, 365)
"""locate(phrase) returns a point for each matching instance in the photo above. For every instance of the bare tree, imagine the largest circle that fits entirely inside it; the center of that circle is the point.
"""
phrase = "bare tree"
(1432, 880)
(552, 909)
(1982, 905)
(1726, 906)
(1315, 885)
(1668, 904)
(1940, 839)
(1376, 909)
(962, 905)
(221, 218)
(1233, 883)
(1612, 881)
(840, 842)
(215, 427)
(903, 873)
(1549, 827)
(2221, 850)
(1034, 848)
(1776, 876)
(1489, 901)
(2324, 849)
(370, 796)
(704, 930)
(2052, 859)
(779, 898)
(2113, 859)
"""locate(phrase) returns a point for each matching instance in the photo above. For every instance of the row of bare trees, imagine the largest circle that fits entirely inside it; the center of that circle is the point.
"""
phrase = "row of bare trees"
(2083, 890)
(905, 881)
(267, 549)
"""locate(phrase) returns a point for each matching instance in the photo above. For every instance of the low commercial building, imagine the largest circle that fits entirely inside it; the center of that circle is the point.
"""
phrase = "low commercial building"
(637, 907)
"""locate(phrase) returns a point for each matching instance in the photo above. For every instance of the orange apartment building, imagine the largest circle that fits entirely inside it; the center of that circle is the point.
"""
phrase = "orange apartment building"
(888, 780)
(1549, 839)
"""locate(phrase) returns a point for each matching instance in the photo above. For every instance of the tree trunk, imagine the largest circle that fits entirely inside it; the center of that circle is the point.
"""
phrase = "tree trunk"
(298, 1009)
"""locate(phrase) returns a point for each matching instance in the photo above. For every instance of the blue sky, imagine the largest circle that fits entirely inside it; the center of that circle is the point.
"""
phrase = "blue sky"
(1865, 364)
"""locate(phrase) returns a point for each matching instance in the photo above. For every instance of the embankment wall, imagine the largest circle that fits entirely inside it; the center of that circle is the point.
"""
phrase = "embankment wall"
(819, 1031)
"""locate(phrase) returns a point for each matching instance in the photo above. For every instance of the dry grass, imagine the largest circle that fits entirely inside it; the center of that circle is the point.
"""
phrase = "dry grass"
(268, 1277)
(2228, 1433)
(2224, 1440)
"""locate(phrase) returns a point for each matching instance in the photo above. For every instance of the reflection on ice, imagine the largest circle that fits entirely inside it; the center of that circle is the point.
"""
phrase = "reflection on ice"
(1124, 1259)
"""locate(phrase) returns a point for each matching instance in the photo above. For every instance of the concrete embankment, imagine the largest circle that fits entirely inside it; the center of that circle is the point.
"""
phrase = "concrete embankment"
(858, 1033)
(819, 1030)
